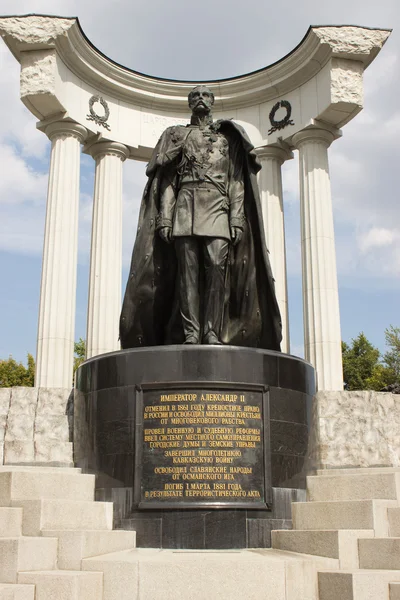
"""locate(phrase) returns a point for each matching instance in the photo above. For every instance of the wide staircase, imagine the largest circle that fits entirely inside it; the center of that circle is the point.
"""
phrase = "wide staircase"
(352, 515)
(49, 523)
(57, 543)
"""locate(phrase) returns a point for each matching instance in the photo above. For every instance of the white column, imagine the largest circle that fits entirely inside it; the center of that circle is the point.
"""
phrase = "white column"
(55, 344)
(106, 251)
(322, 339)
(270, 183)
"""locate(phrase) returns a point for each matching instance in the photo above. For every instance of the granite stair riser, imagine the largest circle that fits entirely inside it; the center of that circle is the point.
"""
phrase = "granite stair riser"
(394, 522)
(356, 585)
(394, 591)
(383, 486)
(383, 553)
(10, 522)
(26, 554)
(340, 544)
(73, 546)
(64, 585)
(360, 514)
(14, 591)
(28, 485)
(63, 515)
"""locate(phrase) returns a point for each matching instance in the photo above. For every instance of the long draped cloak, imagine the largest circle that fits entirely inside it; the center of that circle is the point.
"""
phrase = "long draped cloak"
(150, 312)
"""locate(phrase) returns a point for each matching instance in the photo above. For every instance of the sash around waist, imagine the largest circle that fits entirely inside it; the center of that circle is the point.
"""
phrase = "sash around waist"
(195, 185)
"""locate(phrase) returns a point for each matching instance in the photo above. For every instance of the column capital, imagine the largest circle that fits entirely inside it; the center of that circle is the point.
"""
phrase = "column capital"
(315, 134)
(280, 152)
(107, 148)
(65, 129)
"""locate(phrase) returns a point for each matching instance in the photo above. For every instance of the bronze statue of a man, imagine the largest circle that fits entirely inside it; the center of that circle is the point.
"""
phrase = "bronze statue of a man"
(200, 271)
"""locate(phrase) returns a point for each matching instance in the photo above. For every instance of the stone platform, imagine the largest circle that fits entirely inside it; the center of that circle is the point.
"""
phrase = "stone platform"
(271, 394)
(56, 542)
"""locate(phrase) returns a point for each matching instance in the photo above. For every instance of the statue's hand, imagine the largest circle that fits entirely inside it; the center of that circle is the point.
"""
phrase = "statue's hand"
(236, 235)
(166, 234)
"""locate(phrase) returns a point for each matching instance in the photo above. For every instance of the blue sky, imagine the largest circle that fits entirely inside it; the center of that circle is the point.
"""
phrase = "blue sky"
(209, 40)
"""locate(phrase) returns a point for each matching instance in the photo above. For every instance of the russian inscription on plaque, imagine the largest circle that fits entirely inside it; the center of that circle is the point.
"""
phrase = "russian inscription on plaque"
(202, 447)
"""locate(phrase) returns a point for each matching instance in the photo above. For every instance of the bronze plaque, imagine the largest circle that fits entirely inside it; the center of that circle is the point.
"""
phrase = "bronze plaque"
(202, 447)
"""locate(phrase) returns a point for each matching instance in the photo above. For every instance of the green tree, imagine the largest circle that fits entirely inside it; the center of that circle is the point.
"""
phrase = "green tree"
(362, 367)
(391, 358)
(13, 373)
(380, 378)
(80, 352)
(360, 363)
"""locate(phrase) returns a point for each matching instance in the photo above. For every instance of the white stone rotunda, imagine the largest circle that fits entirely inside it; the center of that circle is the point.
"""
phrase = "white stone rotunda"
(81, 97)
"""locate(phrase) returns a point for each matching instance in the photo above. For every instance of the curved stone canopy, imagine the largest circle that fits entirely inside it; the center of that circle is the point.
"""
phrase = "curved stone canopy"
(61, 71)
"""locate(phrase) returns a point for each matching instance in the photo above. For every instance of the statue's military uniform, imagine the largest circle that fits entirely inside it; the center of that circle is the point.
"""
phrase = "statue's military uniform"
(195, 188)
(201, 207)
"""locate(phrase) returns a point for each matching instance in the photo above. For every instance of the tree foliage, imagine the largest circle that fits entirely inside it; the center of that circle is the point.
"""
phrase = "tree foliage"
(80, 352)
(363, 368)
(391, 358)
(359, 361)
(13, 373)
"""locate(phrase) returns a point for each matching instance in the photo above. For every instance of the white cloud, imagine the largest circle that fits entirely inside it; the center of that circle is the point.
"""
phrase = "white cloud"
(23, 159)
(20, 183)
(377, 237)
(376, 78)
(380, 249)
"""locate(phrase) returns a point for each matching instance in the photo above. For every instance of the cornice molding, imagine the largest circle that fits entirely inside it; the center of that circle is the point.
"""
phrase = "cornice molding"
(39, 32)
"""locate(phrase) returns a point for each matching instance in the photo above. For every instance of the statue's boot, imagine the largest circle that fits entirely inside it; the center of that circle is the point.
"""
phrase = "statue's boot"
(212, 339)
(191, 339)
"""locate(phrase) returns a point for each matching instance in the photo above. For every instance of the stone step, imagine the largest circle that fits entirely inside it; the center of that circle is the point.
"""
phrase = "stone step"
(39, 515)
(357, 471)
(217, 574)
(16, 591)
(380, 553)
(352, 514)
(65, 585)
(394, 591)
(53, 485)
(73, 546)
(336, 543)
(394, 522)
(384, 486)
(40, 468)
(356, 585)
(26, 554)
(10, 522)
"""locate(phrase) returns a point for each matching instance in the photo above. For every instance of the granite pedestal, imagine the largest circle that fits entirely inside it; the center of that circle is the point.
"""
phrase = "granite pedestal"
(198, 446)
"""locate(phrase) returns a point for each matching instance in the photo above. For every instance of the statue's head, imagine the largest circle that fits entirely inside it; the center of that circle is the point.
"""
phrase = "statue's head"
(201, 100)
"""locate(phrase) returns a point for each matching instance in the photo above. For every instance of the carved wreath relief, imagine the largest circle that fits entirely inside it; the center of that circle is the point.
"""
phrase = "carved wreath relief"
(93, 116)
(278, 125)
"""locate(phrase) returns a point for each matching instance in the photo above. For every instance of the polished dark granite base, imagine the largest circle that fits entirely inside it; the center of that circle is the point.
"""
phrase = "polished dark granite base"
(213, 529)
(106, 433)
